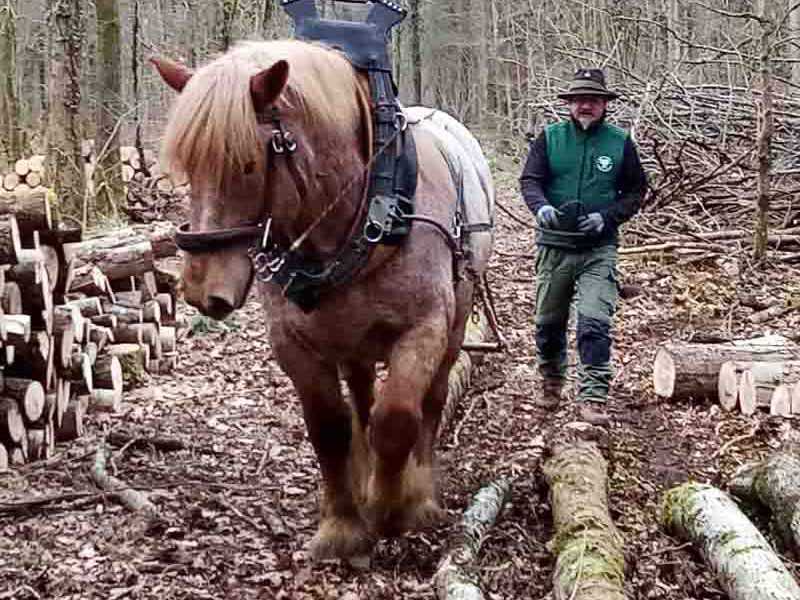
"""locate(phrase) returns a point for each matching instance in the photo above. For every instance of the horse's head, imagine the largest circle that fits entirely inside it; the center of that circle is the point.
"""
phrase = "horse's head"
(258, 134)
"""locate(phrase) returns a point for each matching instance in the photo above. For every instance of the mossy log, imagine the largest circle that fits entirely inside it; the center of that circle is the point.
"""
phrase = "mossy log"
(741, 559)
(775, 483)
(455, 578)
(590, 564)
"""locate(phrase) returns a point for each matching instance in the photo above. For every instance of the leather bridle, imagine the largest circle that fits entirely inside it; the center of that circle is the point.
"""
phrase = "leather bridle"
(281, 143)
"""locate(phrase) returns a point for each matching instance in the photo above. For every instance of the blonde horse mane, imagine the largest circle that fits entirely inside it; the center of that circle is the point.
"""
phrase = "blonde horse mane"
(212, 131)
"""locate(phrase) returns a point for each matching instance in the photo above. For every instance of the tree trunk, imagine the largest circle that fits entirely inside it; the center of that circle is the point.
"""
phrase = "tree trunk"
(685, 370)
(452, 579)
(108, 170)
(11, 142)
(742, 560)
(64, 132)
(775, 483)
(590, 564)
(766, 117)
(415, 50)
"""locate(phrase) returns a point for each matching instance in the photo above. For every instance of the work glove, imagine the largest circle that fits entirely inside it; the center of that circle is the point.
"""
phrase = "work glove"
(591, 223)
(547, 216)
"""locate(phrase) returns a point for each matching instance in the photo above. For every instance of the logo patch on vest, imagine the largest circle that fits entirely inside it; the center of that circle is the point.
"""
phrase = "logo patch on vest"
(604, 164)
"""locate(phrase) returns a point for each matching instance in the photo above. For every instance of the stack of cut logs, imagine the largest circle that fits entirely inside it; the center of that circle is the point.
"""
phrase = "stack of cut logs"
(81, 319)
(141, 167)
(28, 173)
(748, 374)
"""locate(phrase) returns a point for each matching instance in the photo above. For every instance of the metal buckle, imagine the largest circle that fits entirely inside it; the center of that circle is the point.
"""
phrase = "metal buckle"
(283, 142)
(400, 121)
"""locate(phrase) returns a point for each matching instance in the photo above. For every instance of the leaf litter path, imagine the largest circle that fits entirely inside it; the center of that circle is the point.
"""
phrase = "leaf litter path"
(238, 506)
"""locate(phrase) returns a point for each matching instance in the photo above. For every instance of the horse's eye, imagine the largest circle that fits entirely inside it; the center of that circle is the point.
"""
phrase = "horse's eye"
(249, 168)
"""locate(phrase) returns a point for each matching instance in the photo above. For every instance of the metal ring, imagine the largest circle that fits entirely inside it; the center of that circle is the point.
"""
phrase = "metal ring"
(373, 226)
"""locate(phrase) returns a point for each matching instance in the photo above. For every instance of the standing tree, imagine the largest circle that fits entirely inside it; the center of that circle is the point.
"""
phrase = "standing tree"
(108, 171)
(10, 133)
(64, 134)
(765, 129)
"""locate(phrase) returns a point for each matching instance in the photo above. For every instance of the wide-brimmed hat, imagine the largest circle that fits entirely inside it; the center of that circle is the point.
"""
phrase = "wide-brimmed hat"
(588, 82)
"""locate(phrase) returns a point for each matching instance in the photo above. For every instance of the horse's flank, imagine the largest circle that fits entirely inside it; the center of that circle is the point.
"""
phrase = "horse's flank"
(212, 128)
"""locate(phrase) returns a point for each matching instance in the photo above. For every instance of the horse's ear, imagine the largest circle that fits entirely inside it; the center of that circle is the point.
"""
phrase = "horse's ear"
(266, 86)
(175, 74)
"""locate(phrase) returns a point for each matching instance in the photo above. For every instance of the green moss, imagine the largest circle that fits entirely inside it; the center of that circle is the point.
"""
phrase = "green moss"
(679, 503)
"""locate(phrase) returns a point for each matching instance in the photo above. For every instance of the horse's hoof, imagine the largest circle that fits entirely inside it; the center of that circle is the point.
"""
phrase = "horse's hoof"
(339, 537)
(396, 521)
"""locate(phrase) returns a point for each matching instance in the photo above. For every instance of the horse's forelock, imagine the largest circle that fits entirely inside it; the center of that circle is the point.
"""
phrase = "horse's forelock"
(212, 127)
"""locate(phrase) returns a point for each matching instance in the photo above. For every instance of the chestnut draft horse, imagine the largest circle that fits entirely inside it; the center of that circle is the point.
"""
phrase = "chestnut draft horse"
(406, 307)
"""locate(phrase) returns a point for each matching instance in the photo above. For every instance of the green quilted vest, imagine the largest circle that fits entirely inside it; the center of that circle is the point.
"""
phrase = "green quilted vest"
(584, 165)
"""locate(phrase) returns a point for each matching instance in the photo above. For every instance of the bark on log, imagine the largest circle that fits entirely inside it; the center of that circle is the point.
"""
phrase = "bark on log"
(11, 298)
(3, 459)
(10, 240)
(741, 559)
(33, 358)
(88, 307)
(686, 370)
(30, 207)
(37, 444)
(168, 337)
(133, 359)
(108, 373)
(162, 237)
(71, 427)
(117, 256)
(12, 428)
(775, 483)
(100, 336)
(29, 395)
(796, 399)
(781, 403)
(68, 318)
(590, 564)
(455, 578)
(105, 400)
(167, 305)
(123, 313)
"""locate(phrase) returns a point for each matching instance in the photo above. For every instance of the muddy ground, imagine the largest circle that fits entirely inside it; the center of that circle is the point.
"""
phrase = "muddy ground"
(239, 504)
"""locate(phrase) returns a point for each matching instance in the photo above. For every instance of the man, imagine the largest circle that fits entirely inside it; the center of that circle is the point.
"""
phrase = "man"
(582, 179)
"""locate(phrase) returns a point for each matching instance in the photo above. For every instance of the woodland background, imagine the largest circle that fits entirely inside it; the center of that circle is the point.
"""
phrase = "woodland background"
(709, 88)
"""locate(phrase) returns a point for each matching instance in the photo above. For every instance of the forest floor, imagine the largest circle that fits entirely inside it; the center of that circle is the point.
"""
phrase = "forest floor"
(238, 506)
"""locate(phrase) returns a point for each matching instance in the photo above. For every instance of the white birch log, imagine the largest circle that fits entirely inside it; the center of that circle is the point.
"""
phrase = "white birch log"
(775, 483)
(743, 562)
(455, 578)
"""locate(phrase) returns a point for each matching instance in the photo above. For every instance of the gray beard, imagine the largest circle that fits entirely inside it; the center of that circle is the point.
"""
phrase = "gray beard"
(585, 122)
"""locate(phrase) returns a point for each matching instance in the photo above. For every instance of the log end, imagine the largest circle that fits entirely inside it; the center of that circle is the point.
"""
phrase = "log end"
(664, 374)
(747, 393)
(728, 386)
(781, 402)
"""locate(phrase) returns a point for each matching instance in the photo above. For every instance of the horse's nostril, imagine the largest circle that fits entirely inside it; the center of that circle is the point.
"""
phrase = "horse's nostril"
(218, 308)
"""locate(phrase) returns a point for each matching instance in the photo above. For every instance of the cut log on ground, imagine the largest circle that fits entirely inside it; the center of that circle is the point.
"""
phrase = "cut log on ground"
(759, 381)
(590, 564)
(775, 483)
(741, 559)
(71, 427)
(688, 370)
(455, 578)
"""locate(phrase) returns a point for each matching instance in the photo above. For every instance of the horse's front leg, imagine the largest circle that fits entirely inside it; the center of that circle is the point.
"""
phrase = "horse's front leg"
(400, 491)
(342, 531)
